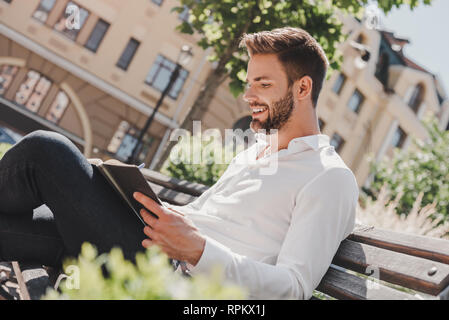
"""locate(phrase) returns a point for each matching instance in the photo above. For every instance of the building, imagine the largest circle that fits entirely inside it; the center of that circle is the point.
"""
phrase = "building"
(97, 84)
(371, 107)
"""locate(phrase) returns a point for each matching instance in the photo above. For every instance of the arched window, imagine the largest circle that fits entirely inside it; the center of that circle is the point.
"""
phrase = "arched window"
(7, 74)
(415, 96)
(58, 107)
(33, 90)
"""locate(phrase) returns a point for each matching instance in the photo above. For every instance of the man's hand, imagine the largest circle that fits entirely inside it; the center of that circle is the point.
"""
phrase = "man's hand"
(175, 234)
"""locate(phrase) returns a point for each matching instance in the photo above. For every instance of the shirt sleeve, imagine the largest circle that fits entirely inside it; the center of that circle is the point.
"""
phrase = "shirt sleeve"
(322, 217)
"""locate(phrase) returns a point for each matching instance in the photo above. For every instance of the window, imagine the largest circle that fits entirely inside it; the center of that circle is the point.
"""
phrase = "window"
(32, 91)
(7, 74)
(160, 73)
(360, 39)
(338, 85)
(337, 142)
(67, 24)
(124, 140)
(58, 107)
(43, 10)
(184, 15)
(128, 54)
(321, 123)
(158, 2)
(97, 35)
(415, 97)
(398, 138)
(356, 101)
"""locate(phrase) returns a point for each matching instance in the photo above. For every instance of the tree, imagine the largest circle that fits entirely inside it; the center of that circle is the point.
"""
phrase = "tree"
(421, 169)
(221, 25)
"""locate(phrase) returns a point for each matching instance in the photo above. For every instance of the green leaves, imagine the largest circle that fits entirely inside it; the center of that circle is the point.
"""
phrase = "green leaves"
(150, 278)
(3, 148)
(213, 159)
(422, 168)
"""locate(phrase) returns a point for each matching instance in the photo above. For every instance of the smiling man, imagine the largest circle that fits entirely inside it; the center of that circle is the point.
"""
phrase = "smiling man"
(275, 234)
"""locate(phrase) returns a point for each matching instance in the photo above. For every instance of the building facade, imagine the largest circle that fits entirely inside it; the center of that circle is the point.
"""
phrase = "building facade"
(94, 70)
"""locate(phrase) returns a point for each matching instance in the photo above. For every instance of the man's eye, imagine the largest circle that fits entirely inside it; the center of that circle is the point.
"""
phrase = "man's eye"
(265, 85)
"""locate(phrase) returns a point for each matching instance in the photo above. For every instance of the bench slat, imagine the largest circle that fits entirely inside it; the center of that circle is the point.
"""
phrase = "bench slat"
(346, 286)
(394, 267)
(23, 290)
(420, 246)
(171, 196)
(192, 188)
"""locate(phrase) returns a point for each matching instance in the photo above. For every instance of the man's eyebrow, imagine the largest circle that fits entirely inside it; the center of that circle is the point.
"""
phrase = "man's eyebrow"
(260, 78)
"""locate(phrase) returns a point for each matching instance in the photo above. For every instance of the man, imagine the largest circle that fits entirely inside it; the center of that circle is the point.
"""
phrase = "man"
(275, 234)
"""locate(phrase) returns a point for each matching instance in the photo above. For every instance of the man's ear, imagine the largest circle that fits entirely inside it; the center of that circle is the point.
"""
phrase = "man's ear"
(304, 87)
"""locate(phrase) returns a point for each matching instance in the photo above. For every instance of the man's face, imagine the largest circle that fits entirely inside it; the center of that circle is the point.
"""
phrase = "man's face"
(268, 93)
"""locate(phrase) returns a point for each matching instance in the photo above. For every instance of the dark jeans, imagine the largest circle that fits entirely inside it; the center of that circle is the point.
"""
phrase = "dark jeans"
(47, 168)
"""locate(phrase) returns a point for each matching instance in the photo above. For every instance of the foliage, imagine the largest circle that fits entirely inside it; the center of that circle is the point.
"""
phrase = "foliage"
(213, 159)
(422, 168)
(3, 148)
(151, 277)
(220, 25)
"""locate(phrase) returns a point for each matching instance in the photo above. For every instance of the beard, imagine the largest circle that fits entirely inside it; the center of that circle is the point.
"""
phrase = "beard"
(279, 116)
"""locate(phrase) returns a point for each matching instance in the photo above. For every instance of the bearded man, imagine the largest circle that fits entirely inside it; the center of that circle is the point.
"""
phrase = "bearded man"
(274, 234)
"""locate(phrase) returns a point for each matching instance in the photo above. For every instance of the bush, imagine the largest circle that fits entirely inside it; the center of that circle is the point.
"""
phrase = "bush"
(422, 168)
(151, 277)
(3, 148)
(213, 160)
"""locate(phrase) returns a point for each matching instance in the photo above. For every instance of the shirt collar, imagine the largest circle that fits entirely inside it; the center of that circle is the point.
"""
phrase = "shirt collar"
(315, 142)
(299, 144)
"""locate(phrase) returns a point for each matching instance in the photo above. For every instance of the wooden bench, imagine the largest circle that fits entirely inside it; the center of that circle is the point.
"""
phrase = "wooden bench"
(370, 264)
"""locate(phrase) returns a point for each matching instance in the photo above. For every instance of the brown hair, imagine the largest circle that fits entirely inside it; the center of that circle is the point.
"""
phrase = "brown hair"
(296, 49)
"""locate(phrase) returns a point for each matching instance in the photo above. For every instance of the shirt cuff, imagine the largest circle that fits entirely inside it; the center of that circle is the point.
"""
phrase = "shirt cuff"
(214, 254)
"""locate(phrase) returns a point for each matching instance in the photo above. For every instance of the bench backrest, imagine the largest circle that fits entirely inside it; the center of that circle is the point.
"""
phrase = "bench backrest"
(371, 263)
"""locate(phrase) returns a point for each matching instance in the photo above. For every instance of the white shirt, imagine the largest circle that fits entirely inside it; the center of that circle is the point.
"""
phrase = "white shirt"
(276, 233)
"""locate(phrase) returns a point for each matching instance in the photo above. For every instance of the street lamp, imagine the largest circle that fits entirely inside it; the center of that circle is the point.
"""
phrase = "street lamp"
(184, 57)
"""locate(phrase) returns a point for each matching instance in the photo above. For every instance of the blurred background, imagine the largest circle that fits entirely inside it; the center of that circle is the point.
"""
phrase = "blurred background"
(117, 77)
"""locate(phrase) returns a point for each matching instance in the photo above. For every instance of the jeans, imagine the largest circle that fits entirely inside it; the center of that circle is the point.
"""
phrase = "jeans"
(46, 168)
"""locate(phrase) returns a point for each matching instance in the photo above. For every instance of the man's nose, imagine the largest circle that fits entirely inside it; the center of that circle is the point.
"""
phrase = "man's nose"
(249, 96)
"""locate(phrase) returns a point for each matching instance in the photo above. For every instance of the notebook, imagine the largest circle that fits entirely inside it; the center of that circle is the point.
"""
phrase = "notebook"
(126, 179)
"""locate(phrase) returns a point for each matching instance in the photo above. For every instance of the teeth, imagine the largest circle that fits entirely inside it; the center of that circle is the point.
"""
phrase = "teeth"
(258, 110)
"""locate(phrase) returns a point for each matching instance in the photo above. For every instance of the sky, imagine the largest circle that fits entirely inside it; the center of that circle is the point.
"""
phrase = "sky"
(427, 28)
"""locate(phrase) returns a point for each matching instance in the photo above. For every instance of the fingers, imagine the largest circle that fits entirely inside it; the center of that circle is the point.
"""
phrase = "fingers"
(149, 203)
(147, 243)
(150, 233)
(148, 218)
